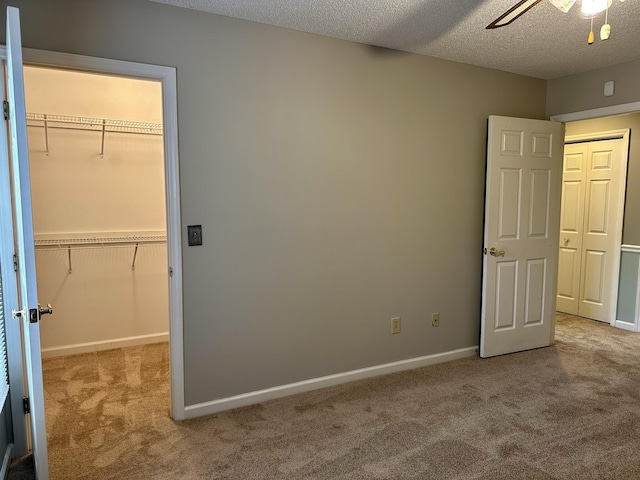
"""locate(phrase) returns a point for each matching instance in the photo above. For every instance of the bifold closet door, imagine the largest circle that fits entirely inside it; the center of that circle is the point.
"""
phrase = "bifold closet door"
(591, 198)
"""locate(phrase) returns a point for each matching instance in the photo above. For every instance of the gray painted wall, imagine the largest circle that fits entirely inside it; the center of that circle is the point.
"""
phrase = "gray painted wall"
(337, 185)
(585, 91)
(628, 287)
(631, 228)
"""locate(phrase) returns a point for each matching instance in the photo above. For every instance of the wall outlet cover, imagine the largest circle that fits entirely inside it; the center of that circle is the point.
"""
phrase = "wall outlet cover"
(395, 325)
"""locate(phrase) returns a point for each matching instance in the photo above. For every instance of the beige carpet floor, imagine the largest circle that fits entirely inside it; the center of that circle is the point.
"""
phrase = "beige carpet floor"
(571, 411)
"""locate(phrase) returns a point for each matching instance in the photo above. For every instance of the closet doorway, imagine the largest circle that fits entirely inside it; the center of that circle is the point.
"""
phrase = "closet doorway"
(100, 226)
(593, 195)
(97, 179)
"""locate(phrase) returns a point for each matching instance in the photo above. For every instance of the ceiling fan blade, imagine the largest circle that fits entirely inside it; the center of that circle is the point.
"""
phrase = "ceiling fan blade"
(514, 12)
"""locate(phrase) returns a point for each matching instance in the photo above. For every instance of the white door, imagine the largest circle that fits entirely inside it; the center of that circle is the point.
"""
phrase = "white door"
(590, 234)
(26, 270)
(522, 212)
(10, 298)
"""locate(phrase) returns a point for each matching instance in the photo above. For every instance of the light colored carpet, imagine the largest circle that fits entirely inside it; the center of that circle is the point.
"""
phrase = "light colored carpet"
(571, 411)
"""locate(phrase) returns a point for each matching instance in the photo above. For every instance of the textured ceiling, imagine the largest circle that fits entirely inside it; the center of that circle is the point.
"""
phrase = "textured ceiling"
(544, 42)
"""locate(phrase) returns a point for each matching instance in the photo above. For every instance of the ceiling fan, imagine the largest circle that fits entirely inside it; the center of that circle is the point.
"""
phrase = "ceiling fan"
(589, 7)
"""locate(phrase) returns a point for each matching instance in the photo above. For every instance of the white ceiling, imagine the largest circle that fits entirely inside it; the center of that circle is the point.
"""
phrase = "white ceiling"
(544, 42)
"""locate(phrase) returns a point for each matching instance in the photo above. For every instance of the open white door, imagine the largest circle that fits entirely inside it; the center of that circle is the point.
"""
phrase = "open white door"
(29, 311)
(522, 214)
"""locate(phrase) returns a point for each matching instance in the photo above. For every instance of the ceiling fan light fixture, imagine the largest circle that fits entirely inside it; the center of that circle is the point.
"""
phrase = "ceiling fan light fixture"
(592, 7)
(563, 5)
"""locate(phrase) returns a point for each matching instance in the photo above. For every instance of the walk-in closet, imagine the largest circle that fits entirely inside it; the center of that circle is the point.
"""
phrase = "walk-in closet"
(99, 218)
(97, 181)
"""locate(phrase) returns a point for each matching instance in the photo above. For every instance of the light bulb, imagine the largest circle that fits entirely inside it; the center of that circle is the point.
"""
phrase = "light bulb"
(591, 7)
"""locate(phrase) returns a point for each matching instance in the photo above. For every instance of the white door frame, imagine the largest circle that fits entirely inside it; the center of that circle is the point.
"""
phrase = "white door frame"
(633, 107)
(167, 77)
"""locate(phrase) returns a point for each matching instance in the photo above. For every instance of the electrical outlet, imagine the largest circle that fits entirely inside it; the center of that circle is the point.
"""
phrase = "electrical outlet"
(435, 319)
(395, 325)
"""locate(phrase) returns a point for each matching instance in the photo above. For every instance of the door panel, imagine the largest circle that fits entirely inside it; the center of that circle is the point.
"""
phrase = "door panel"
(601, 159)
(26, 271)
(572, 196)
(536, 274)
(568, 285)
(539, 204)
(598, 207)
(542, 144)
(573, 159)
(506, 279)
(522, 212)
(593, 285)
(510, 186)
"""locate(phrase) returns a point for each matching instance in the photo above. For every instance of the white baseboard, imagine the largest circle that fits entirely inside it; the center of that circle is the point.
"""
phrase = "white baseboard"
(625, 325)
(104, 345)
(251, 398)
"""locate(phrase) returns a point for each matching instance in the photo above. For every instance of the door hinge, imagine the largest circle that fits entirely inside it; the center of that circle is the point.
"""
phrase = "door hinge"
(25, 405)
(5, 109)
(15, 262)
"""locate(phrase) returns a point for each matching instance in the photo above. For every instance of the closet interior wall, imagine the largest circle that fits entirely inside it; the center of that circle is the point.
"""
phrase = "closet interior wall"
(87, 186)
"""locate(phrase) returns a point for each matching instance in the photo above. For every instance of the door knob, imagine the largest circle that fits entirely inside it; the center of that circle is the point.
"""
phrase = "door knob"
(566, 241)
(496, 253)
(35, 313)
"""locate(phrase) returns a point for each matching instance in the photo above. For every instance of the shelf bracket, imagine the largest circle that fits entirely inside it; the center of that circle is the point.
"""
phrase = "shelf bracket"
(104, 127)
(135, 254)
(69, 256)
(46, 135)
